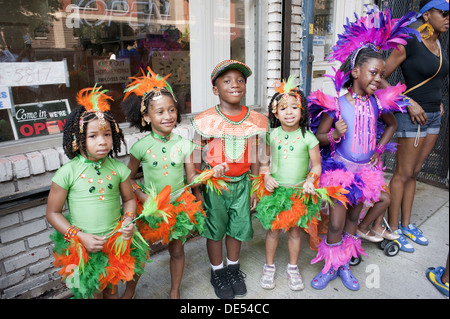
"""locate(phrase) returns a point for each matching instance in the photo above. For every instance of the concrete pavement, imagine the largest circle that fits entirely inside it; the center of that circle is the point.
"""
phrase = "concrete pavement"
(401, 276)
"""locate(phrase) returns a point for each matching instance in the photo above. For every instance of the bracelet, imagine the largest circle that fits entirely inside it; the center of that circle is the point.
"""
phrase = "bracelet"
(264, 170)
(128, 215)
(380, 148)
(71, 231)
(313, 175)
(136, 187)
(331, 139)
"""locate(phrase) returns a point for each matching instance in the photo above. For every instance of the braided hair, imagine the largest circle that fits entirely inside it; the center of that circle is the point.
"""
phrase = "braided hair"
(304, 120)
(131, 106)
(362, 57)
(74, 137)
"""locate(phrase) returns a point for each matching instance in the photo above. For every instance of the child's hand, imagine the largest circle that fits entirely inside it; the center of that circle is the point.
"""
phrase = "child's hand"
(270, 183)
(220, 170)
(308, 188)
(92, 243)
(253, 202)
(341, 127)
(127, 232)
(374, 159)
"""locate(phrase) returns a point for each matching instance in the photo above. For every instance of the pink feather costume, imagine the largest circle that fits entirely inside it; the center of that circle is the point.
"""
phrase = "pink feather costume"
(347, 163)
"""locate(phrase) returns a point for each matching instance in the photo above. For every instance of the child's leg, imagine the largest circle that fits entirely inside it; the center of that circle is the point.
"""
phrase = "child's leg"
(375, 214)
(294, 241)
(295, 280)
(267, 280)
(130, 288)
(272, 237)
(177, 258)
(233, 248)
(336, 224)
(214, 248)
(108, 294)
(352, 219)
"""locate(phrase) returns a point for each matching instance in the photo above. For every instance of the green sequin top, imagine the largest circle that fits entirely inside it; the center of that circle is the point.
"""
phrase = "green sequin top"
(162, 162)
(93, 195)
(290, 155)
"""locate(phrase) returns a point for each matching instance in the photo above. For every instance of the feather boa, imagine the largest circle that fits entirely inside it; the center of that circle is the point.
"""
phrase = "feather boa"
(363, 185)
(87, 274)
(185, 217)
(285, 208)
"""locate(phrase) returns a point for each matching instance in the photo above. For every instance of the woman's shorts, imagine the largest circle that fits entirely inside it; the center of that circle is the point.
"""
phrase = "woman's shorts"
(406, 128)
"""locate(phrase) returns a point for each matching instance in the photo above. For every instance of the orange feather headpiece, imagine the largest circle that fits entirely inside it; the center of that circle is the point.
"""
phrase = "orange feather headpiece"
(95, 100)
(285, 88)
(150, 82)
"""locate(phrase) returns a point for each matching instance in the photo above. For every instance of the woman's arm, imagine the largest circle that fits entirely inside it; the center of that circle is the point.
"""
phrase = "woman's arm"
(394, 60)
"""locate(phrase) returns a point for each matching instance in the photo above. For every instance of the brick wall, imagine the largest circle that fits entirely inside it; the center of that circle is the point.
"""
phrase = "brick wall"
(274, 42)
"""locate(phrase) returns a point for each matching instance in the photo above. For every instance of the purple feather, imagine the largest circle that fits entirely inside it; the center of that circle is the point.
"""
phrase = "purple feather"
(339, 78)
(377, 28)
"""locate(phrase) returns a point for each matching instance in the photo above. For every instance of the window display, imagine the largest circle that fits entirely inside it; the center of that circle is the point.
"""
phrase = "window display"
(101, 42)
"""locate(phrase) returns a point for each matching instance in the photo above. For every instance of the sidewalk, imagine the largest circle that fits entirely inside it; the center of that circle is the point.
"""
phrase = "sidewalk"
(401, 276)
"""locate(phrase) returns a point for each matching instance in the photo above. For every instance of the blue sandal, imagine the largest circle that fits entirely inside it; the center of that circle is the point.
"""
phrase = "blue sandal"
(347, 277)
(321, 280)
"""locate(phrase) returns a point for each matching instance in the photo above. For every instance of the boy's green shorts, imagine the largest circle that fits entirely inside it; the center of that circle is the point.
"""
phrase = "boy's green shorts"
(229, 213)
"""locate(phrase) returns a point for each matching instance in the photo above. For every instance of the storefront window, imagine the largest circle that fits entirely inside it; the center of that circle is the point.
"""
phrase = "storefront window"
(51, 49)
(323, 28)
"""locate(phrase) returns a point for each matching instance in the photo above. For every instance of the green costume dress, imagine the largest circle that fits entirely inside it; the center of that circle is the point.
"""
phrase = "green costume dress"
(285, 207)
(94, 206)
(162, 162)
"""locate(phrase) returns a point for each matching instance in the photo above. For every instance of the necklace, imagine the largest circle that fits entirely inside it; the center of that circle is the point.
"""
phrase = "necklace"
(97, 165)
(359, 96)
(163, 139)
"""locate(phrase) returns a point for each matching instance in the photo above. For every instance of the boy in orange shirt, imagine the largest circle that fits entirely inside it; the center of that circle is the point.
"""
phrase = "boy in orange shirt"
(227, 135)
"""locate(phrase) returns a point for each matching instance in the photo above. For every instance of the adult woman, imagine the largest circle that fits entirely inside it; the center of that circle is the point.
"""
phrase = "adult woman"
(418, 129)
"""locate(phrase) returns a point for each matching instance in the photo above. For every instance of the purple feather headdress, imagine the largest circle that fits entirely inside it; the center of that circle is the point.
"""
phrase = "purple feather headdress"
(378, 31)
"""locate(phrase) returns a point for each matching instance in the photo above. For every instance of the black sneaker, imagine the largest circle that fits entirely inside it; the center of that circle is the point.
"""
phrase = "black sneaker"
(222, 287)
(236, 277)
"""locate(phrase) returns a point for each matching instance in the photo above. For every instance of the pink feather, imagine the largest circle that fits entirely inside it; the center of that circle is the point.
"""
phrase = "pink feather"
(390, 97)
(336, 177)
(334, 256)
(351, 247)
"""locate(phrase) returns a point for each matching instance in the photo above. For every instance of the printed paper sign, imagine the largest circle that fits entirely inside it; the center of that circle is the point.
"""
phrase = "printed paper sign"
(5, 98)
(111, 71)
(33, 73)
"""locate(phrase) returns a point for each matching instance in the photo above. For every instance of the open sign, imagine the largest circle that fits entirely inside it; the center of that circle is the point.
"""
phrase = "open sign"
(39, 119)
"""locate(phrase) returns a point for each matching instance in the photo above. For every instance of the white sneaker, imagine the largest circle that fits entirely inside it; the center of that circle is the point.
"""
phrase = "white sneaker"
(268, 277)
(295, 281)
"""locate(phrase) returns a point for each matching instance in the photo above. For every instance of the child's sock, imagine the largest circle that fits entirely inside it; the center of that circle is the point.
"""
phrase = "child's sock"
(229, 262)
(292, 266)
(217, 267)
